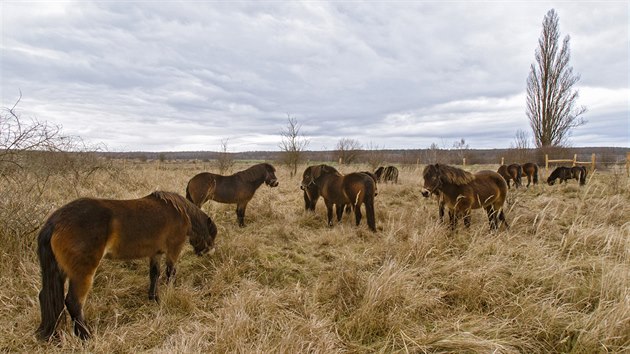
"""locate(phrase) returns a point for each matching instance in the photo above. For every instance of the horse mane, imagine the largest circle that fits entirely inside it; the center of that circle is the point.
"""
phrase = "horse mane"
(255, 172)
(454, 175)
(186, 208)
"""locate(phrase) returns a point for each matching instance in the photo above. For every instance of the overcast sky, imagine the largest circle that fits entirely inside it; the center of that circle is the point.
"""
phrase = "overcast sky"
(181, 76)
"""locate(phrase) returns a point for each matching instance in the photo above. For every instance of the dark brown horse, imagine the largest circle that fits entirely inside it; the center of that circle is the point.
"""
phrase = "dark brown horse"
(238, 188)
(530, 170)
(462, 191)
(579, 174)
(78, 235)
(387, 174)
(562, 173)
(511, 172)
(354, 189)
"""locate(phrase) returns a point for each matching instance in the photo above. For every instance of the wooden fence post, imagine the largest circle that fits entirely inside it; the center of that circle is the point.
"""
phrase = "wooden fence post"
(592, 162)
(574, 159)
(502, 160)
(546, 162)
(464, 162)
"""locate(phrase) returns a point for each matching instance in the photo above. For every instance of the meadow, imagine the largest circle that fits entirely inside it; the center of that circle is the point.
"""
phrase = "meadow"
(557, 281)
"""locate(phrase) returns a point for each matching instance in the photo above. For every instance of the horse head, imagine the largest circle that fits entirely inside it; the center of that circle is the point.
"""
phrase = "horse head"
(270, 178)
(432, 180)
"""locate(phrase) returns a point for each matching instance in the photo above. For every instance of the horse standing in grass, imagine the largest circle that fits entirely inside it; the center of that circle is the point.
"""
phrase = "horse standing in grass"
(462, 191)
(387, 174)
(78, 235)
(562, 173)
(238, 188)
(530, 170)
(311, 193)
(354, 189)
(511, 172)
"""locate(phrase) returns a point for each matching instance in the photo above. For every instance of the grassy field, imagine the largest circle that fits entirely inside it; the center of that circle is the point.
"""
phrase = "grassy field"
(557, 281)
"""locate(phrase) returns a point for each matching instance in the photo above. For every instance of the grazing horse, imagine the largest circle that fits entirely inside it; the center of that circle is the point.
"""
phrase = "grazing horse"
(238, 188)
(562, 173)
(579, 174)
(78, 235)
(311, 193)
(354, 189)
(511, 172)
(387, 174)
(461, 191)
(530, 170)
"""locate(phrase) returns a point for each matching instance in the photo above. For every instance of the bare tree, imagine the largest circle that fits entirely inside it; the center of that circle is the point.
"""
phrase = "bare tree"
(374, 156)
(519, 149)
(225, 160)
(461, 149)
(293, 144)
(348, 150)
(551, 99)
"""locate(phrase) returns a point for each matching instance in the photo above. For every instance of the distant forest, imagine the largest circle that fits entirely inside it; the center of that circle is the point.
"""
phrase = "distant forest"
(604, 155)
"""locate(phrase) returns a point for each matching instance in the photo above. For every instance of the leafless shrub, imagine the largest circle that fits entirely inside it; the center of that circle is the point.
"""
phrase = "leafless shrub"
(225, 159)
(292, 144)
(348, 150)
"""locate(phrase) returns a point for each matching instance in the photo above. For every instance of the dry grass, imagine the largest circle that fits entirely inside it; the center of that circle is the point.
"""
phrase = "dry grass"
(558, 281)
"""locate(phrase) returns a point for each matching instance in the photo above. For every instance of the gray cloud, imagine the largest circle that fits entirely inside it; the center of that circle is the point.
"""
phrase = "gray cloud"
(184, 75)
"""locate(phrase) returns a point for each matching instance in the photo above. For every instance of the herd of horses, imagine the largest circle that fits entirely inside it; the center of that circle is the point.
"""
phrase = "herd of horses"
(75, 238)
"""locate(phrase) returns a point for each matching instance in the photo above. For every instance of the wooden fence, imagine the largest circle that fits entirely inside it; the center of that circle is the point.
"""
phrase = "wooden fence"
(573, 161)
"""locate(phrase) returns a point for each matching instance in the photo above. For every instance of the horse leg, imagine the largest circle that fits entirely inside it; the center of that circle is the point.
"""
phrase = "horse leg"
(452, 216)
(77, 293)
(357, 213)
(492, 217)
(154, 275)
(339, 211)
(502, 218)
(240, 214)
(329, 212)
(171, 258)
(467, 217)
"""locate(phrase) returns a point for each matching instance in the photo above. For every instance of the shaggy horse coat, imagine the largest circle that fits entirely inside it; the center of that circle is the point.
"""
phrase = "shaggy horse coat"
(579, 174)
(387, 174)
(530, 170)
(512, 172)
(238, 188)
(562, 173)
(354, 189)
(461, 191)
(78, 235)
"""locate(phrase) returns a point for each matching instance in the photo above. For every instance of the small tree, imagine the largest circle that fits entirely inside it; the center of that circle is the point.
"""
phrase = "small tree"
(292, 144)
(551, 99)
(348, 150)
(519, 149)
(225, 160)
(461, 149)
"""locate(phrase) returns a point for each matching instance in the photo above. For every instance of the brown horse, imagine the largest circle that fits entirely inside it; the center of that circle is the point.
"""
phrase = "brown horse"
(354, 189)
(238, 188)
(579, 174)
(311, 193)
(387, 174)
(462, 191)
(530, 170)
(78, 235)
(562, 173)
(511, 172)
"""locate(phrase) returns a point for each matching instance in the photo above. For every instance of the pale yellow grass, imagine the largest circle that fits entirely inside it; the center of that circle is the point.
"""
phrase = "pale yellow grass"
(557, 281)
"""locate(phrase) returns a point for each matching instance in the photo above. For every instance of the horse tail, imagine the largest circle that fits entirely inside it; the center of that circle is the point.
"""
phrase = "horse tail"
(535, 174)
(369, 205)
(519, 173)
(53, 279)
(582, 176)
(188, 192)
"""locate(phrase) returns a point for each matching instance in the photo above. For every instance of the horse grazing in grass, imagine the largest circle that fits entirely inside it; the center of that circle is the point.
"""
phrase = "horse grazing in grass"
(562, 173)
(530, 170)
(311, 193)
(579, 174)
(387, 174)
(354, 189)
(462, 191)
(78, 235)
(511, 172)
(238, 188)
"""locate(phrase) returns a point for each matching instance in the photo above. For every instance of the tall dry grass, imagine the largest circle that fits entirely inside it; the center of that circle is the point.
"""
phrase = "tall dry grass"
(557, 281)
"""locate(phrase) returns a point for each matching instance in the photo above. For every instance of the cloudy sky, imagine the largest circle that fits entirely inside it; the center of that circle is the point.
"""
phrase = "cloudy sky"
(181, 76)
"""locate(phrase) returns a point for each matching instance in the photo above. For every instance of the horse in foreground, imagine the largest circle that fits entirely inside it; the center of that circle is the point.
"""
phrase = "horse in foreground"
(562, 173)
(238, 188)
(530, 170)
(511, 172)
(353, 189)
(462, 191)
(78, 235)
(311, 193)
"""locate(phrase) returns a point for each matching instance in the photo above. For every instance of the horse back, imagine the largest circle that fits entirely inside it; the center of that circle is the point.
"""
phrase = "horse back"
(357, 186)
(331, 189)
(489, 187)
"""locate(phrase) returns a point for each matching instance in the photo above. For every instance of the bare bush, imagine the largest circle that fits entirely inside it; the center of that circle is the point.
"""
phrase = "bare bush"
(348, 150)
(225, 159)
(292, 145)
